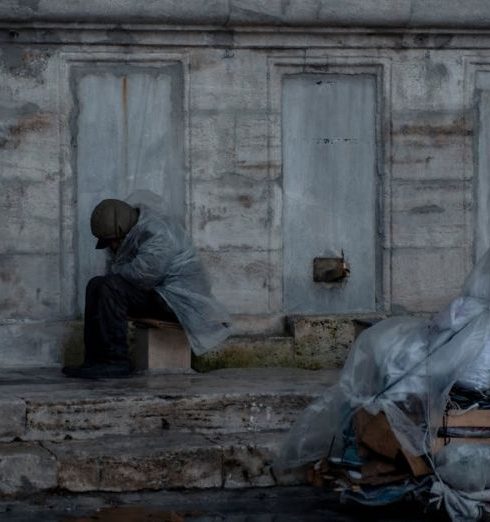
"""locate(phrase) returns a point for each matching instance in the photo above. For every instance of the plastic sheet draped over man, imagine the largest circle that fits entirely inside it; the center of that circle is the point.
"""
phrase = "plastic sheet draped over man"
(404, 367)
(168, 262)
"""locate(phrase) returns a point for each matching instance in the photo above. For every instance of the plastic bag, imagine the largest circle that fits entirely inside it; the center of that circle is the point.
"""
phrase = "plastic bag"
(465, 467)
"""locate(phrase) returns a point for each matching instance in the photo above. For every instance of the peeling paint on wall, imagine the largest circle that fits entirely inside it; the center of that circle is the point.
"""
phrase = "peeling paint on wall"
(25, 124)
(15, 122)
(25, 63)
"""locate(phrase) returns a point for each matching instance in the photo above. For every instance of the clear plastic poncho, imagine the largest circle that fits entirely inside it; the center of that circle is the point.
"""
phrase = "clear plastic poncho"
(158, 254)
(405, 367)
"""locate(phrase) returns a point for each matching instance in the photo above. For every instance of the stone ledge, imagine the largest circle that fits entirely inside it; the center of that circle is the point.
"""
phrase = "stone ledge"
(471, 14)
(136, 463)
(26, 468)
(173, 461)
(317, 341)
(13, 413)
(58, 419)
(222, 401)
(326, 340)
(224, 430)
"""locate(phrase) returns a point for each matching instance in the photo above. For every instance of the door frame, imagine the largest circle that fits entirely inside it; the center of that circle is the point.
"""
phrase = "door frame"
(67, 62)
(343, 64)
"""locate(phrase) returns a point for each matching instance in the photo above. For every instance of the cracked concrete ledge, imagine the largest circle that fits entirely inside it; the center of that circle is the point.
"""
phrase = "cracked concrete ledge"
(43, 405)
(315, 342)
(151, 432)
(470, 14)
(123, 464)
(59, 420)
(14, 411)
(26, 468)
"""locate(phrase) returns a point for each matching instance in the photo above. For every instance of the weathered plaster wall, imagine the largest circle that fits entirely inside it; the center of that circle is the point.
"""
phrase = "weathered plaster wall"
(233, 174)
(229, 13)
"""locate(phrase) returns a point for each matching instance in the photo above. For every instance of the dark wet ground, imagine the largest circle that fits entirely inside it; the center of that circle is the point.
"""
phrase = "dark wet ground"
(51, 382)
(303, 504)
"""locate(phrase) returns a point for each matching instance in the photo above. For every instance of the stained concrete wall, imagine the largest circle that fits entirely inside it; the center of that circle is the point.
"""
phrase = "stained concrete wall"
(233, 60)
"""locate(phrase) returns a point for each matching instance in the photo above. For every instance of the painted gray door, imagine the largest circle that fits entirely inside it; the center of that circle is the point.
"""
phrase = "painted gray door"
(329, 176)
(482, 188)
(129, 137)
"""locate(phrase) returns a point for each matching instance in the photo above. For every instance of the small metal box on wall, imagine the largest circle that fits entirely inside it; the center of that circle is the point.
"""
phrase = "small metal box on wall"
(330, 269)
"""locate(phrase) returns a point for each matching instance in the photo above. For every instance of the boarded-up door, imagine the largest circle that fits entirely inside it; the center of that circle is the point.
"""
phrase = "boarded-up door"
(129, 137)
(482, 181)
(329, 176)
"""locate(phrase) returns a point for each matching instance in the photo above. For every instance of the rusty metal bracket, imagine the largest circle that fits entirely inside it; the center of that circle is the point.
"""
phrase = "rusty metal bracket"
(330, 269)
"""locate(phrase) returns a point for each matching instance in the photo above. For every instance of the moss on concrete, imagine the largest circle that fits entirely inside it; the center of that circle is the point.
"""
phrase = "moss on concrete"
(317, 343)
(73, 350)
(316, 354)
(248, 353)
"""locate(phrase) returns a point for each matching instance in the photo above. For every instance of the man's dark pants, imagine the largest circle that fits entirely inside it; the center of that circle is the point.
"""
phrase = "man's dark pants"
(109, 301)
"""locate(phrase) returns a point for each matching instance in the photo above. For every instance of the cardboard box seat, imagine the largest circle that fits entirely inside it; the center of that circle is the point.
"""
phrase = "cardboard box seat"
(160, 345)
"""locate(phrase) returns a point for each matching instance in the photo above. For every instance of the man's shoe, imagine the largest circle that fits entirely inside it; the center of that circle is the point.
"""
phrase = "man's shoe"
(99, 371)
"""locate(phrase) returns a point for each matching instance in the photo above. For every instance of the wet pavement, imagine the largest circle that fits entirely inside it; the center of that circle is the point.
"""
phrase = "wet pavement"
(285, 504)
(46, 397)
(50, 381)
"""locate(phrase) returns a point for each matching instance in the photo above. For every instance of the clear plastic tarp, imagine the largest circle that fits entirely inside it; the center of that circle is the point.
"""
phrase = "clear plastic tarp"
(404, 367)
(168, 262)
(465, 467)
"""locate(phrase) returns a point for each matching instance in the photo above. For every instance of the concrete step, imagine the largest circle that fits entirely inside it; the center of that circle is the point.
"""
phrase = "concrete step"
(45, 406)
(172, 460)
(298, 341)
(324, 341)
(87, 419)
(313, 342)
(151, 432)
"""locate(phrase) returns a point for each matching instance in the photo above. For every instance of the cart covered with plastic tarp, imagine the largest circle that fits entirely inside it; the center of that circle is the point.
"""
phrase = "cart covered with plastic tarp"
(405, 367)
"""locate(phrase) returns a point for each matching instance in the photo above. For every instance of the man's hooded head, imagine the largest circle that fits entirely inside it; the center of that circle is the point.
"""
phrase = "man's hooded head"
(111, 220)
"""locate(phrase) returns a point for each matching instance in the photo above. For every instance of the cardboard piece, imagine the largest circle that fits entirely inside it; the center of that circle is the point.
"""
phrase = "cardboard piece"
(160, 345)
(374, 432)
(471, 419)
(455, 419)
(384, 459)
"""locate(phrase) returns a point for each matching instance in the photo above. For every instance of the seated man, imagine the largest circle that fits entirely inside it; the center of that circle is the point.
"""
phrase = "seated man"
(154, 272)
